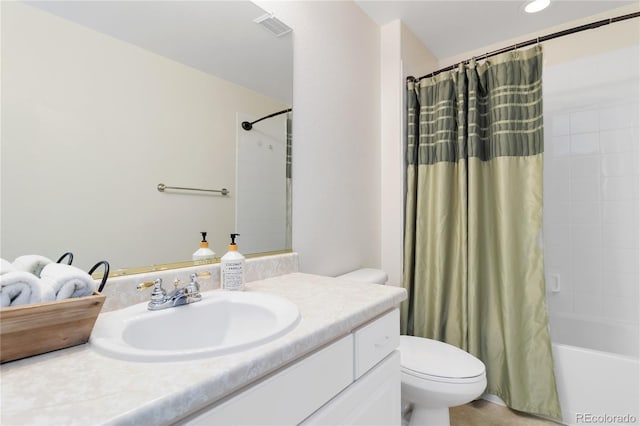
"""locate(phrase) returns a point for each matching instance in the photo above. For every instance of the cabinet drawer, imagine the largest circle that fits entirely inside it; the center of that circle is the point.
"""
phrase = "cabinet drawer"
(375, 341)
(374, 399)
(287, 397)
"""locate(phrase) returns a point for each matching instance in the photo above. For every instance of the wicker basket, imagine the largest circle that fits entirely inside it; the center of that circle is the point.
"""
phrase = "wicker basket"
(29, 330)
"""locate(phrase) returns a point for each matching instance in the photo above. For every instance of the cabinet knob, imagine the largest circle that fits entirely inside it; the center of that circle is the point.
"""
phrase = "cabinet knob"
(382, 342)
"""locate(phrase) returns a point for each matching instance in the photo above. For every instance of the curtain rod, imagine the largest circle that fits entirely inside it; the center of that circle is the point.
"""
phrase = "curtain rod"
(247, 126)
(535, 41)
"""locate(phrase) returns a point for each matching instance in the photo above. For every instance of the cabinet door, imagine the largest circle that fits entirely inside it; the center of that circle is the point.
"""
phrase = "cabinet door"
(374, 399)
(288, 396)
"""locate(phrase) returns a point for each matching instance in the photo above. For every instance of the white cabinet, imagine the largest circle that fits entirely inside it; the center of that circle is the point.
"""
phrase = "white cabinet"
(289, 396)
(376, 340)
(354, 381)
(372, 400)
(374, 397)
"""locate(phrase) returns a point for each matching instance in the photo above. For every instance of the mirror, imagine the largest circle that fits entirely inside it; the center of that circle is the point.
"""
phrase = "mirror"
(102, 101)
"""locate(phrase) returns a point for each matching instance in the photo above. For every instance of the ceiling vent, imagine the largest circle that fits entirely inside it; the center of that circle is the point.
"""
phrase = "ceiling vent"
(273, 24)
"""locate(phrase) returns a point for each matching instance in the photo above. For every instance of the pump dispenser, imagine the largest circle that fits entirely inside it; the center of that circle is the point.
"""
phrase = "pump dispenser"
(232, 267)
(204, 252)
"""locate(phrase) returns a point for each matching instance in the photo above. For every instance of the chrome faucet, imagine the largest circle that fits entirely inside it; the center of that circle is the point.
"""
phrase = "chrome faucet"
(161, 299)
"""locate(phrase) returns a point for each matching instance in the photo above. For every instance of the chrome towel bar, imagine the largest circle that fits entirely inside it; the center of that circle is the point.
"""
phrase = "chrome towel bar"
(162, 187)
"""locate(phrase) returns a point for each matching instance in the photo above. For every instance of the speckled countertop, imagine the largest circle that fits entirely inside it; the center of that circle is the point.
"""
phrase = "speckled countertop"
(78, 386)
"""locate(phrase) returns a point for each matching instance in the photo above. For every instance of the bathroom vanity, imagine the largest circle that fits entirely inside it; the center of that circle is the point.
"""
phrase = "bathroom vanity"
(338, 365)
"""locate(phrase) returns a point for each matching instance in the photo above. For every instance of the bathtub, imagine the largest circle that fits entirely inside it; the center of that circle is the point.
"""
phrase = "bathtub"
(596, 387)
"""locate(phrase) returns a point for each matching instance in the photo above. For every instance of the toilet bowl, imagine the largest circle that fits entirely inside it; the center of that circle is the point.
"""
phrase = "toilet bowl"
(435, 375)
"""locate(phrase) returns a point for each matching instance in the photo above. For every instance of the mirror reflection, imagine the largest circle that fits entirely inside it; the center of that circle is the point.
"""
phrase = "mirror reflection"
(103, 101)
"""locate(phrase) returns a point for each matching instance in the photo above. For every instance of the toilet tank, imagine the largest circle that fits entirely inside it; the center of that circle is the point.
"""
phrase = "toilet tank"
(366, 275)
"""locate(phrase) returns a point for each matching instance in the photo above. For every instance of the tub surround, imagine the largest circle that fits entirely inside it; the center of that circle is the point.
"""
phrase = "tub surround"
(609, 374)
(84, 387)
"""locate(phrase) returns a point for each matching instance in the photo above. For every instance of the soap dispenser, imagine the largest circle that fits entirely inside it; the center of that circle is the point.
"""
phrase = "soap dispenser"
(204, 252)
(232, 267)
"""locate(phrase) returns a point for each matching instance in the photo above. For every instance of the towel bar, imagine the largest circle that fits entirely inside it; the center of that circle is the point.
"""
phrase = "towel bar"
(162, 187)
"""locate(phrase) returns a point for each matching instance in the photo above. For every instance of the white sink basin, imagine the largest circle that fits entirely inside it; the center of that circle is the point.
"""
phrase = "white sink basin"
(222, 323)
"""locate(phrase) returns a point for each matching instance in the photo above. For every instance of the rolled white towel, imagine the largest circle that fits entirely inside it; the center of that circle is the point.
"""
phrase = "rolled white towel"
(22, 288)
(67, 281)
(33, 263)
(6, 266)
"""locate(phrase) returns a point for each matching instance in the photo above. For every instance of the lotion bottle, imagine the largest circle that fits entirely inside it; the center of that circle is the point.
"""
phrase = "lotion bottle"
(232, 268)
(204, 252)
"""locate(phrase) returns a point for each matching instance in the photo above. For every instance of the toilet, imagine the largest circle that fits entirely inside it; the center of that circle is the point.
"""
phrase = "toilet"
(435, 375)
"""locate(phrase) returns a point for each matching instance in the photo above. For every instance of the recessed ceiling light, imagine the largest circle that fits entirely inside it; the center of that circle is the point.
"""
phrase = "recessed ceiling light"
(536, 5)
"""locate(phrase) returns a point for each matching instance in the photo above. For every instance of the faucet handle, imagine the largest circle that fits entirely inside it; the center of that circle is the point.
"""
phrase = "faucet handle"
(194, 282)
(145, 285)
(192, 290)
(193, 287)
(158, 291)
(158, 295)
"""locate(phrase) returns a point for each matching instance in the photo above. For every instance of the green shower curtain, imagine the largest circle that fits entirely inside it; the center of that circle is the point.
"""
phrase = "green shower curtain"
(473, 256)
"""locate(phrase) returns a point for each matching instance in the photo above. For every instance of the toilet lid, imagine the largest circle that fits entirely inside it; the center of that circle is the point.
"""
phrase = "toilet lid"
(366, 275)
(433, 358)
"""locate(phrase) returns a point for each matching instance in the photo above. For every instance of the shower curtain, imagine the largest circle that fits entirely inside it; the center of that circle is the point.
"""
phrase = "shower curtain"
(473, 256)
(289, 189)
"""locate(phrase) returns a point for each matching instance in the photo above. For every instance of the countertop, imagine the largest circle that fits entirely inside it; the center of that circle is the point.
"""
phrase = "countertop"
(78, 386)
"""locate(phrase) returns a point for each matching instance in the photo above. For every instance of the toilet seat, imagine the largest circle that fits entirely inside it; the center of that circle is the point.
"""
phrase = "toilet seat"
(438, 361)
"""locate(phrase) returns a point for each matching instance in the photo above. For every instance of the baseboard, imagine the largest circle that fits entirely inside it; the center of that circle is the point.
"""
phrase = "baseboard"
(493, 398)
(498, 401)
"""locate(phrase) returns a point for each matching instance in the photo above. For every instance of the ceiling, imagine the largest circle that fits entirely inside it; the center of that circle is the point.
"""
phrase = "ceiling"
(220, 37)
(217, 37)
(452, 27)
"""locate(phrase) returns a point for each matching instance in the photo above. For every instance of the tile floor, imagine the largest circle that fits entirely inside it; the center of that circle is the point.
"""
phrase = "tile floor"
(484, 413)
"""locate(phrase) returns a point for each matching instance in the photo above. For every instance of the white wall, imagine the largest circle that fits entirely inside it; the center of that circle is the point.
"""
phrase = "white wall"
(402, 54)
(417, 59)
(392, 174)
(336, 135)
(261, 199)
(126, 120)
